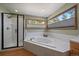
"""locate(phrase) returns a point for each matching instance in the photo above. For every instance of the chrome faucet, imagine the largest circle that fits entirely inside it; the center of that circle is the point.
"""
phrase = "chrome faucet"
(31, 38)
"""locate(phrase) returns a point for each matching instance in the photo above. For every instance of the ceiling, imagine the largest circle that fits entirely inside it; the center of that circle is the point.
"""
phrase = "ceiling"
(35, 9)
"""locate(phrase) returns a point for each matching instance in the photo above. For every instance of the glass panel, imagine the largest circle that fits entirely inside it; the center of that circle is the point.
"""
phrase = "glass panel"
(20, 34)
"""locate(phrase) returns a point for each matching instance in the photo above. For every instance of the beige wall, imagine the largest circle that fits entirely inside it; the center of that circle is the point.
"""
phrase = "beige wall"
(33, 32)
(68, 32)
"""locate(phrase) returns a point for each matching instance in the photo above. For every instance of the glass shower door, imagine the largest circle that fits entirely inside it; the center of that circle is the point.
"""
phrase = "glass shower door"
(20, 30)
(10, 31)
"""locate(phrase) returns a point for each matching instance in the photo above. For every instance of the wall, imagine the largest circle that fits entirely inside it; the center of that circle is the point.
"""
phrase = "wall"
(33, 32)
(3, 9)
(67, 32)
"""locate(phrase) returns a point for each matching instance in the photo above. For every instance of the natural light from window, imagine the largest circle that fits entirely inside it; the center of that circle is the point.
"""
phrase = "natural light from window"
(64, 16)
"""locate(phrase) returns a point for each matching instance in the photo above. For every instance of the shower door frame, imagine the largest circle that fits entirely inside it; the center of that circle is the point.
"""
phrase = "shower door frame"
(2, 21)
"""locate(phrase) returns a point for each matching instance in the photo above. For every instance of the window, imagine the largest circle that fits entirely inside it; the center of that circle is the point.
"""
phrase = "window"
(34, 22)
(66, 19)
(65, 16)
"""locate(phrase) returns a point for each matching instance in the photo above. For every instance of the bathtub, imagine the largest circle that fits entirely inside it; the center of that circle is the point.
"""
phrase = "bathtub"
(56, 46)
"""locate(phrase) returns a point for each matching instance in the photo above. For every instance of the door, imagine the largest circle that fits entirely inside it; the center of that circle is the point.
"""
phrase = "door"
(10, 31)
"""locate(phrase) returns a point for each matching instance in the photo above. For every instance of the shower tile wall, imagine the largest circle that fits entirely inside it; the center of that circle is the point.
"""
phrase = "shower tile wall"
(31, 33)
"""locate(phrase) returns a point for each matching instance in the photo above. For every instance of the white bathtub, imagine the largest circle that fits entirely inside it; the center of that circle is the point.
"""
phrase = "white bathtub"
(51, 43)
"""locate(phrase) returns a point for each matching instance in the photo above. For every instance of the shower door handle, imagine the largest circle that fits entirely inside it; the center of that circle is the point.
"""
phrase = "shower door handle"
(15, 30)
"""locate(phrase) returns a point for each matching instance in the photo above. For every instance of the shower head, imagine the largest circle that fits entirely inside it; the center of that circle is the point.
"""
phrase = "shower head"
(9, 16)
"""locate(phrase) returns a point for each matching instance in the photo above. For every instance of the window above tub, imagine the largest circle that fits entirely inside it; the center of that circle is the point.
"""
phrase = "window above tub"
(33, 22)
(64, 16)
(65, 19)
(36, 24)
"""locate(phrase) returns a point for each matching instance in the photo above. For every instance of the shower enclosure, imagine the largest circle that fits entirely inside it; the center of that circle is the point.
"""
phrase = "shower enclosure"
(13, 30)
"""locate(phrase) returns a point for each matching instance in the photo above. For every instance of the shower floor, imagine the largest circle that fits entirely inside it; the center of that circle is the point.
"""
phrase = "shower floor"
(16, 52)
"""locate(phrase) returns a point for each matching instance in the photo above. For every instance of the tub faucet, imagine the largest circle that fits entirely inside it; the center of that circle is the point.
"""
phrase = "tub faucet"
(31, 38)
(45, 35)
